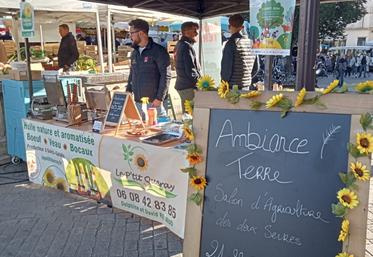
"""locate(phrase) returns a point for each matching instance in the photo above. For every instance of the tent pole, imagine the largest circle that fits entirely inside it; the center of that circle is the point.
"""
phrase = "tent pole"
(200, 43)
(41, 38)
(109, 47)
(15, 33)
(99, 42)
(307, 44)
(113, 38)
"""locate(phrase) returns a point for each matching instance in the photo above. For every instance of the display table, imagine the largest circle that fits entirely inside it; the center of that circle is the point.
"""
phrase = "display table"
(133, 176)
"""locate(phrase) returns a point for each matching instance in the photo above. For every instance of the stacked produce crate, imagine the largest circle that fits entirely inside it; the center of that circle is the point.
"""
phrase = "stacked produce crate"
(10, 47)
(91, 51)
(124, 53)
(81, 47)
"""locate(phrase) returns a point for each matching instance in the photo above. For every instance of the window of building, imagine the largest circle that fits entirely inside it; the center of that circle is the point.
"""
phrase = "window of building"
(361, 41)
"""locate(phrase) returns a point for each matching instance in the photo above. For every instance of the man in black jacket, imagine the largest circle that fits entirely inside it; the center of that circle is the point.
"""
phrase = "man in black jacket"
(68, 51)
(237, 62)
(150, 72)
(188, 69)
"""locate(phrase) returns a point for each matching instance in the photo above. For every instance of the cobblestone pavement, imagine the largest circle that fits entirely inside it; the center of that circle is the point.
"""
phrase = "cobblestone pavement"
(40, 222)
(36, 221)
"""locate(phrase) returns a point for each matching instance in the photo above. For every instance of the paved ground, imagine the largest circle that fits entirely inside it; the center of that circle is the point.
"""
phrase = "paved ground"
(350, 81)
(41, 222)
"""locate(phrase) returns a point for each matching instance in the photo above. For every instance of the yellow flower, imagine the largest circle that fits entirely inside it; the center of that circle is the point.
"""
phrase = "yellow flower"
(344, 255)
(194, 158)
(274, 100)
(300, 97)
(360, 171)
(189, 106)
(331, 87)
(141, 162)
(223, 89)
(347, 198)
(198, 182)
(206, 83)
(251, 94)
(144, 100)
(364, 143)
(188, 132)
(345, 227)
(364, 87)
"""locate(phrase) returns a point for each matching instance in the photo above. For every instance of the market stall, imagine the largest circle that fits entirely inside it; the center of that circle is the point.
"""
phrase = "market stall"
(121, 171)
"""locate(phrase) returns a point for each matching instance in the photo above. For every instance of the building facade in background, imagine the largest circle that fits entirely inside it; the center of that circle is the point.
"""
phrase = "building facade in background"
(361, 33)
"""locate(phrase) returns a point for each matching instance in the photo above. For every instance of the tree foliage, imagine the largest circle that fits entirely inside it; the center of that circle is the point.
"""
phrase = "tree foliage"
(334, 17)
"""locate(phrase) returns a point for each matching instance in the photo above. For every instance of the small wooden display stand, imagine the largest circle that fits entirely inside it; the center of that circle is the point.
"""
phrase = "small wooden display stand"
(122, 109)
(74, 114)
(209, 113)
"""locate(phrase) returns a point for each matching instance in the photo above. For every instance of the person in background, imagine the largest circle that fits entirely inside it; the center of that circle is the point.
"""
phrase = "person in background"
(188, 69)
(341, 69)
(237, 62)
(163, 43)
(68, 51)
(150, 72)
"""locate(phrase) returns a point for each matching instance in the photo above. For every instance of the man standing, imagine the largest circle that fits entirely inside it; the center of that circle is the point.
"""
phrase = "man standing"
(68, 51)
(150, 72)
(188, 69)
(237, 62)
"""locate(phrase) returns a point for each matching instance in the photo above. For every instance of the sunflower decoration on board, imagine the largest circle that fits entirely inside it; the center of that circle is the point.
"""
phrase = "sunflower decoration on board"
(331, 87)
(300, 97)
(251, 94)
(141, 162)
(345, 228)
(348, 198)
(206, 83)
(279, 100)
(189, 106)
(198, 182)
(364, 143)
(360, 171)
(365, 87)
(223, 89)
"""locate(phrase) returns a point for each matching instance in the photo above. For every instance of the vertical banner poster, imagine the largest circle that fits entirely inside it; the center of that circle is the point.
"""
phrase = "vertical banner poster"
(212, 47)
(27, 20)
(65, 159)
(271, 26)
(147, 181)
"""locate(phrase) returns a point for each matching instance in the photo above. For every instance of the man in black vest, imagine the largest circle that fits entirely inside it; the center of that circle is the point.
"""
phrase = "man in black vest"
(237, 62)
(187, 65)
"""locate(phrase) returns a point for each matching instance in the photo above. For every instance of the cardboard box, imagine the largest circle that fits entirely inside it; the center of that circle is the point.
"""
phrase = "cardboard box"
(22, 75)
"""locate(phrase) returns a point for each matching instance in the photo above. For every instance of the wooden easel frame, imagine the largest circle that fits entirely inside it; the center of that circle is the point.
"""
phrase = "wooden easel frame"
(129, 112)
(352, 104)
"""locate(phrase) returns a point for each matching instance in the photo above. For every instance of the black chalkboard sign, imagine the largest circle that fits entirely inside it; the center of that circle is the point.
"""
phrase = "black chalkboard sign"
(272, 182)
(115, 112)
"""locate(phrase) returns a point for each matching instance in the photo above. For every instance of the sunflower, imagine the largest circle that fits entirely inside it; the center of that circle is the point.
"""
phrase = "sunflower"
(189, 105)
(251, 94)
(188, 132)
(364, 87)
(206, 83)
(144, 100)
(300, 97)
(360, 171)
(345, 227)
(141, 162)
(347, 198)
(49, 178)
(223, 89)
(274, 100)
(331, 87)
(198, 182)
(194, 158)
(364, 143)
(61, 184)
(344, 255)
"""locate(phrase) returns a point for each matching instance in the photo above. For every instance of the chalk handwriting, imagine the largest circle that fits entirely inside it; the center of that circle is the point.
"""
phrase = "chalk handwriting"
(229, 198)
(257, 172)
(254, 141)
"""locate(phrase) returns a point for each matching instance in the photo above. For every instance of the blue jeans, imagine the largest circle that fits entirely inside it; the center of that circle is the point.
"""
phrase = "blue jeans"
(161, 111)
